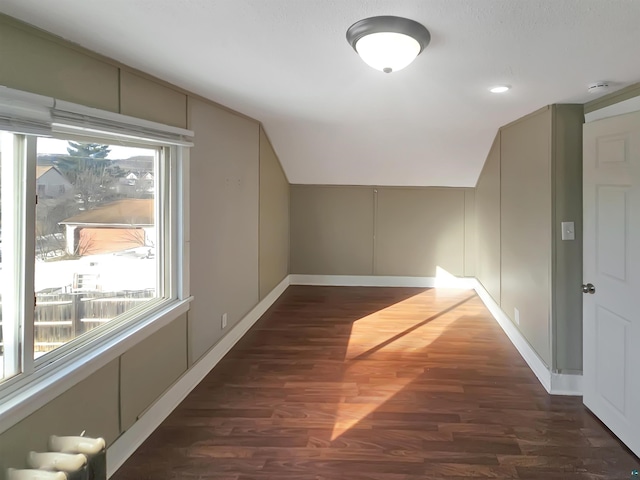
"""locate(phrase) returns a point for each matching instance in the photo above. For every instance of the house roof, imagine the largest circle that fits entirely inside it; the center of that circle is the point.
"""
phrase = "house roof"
(43, 169)
(126, 212)
(334, 120)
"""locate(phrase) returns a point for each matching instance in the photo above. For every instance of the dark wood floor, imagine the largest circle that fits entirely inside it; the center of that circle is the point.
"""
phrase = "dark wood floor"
(377, 383)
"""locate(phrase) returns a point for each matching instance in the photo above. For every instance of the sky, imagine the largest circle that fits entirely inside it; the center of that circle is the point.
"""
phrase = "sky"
(57, 146)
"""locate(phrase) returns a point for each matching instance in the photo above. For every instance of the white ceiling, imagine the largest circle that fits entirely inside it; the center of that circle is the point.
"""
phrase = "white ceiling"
(331, 118)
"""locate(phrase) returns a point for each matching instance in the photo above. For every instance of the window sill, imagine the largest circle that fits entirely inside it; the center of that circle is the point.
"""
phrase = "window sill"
(54, 379)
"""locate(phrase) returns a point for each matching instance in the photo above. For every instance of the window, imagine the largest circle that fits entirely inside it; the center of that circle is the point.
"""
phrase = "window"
(98, 250)
(92, 229)
(10, 241)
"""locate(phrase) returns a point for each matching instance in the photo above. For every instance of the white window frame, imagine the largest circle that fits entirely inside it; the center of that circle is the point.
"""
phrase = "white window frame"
(42, 380)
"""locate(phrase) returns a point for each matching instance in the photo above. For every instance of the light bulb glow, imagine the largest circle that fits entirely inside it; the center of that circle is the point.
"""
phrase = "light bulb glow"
(500, 89)
(387, 51)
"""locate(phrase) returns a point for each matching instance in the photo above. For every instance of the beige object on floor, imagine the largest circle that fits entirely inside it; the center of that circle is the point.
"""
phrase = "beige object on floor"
(88, 446)
(66, 462)
(13, 474)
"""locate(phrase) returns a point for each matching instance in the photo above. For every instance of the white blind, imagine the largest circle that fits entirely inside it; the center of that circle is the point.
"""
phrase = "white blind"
(76, 119)
(23, 112)
(28, 113)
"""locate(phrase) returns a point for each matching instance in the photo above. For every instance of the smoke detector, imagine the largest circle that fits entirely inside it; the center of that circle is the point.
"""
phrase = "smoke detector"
(598, 87)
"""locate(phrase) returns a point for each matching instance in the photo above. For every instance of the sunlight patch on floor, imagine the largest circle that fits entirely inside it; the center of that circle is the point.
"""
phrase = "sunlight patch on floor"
(407, 327)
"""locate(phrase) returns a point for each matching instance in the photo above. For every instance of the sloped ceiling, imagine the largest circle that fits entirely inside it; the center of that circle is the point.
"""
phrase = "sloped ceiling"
(331, 118)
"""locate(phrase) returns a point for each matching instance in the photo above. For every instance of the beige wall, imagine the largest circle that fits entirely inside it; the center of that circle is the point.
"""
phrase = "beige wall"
(40, 63)
(142, 98)
(567, 262)
(525, 227)
(144, 377)
(530, 183)
(488, 223)
(274, 218)
(418, 230)
(379, 230)
(470, 233)
(224, 222)
(331, 230)
(225, 231)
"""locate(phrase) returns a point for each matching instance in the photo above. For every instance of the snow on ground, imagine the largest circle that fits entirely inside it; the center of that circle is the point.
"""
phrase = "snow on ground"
(127, 270)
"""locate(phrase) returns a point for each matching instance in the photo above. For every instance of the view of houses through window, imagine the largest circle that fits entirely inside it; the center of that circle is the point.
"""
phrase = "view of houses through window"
(96, 237)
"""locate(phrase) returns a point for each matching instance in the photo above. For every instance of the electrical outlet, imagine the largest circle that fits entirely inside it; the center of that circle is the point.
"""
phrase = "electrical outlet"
(516, 316)
(224, 320)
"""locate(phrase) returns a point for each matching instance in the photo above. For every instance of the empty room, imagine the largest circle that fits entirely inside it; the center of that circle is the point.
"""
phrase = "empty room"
(319, 239)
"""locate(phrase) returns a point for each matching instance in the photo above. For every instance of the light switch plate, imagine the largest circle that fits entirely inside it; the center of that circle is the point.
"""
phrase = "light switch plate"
(568, 231)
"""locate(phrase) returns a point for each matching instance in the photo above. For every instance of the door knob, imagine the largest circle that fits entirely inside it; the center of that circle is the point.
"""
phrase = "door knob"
(589, 288)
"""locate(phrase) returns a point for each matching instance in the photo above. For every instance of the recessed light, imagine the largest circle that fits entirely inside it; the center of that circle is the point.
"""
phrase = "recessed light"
(500, 89)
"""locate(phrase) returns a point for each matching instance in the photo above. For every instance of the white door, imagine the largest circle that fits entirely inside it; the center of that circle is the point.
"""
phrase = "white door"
(611, 163)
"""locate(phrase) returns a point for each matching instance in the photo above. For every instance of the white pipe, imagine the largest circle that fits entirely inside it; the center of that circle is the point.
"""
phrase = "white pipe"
(67, 462)
(88, 446)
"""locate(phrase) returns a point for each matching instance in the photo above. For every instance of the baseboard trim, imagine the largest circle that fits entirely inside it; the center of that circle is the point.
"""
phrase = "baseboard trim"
(527, 352)
(382, 281)
(554, 383)
(130, 440)
(566, 384)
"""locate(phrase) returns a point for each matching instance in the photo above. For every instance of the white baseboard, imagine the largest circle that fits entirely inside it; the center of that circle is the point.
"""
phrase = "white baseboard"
(527, 352)
(554, 383)
(566, 384)
(382, 281)
(130, 440)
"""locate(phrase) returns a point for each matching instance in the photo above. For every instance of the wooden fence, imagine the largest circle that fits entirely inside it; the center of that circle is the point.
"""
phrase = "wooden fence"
(61, 317)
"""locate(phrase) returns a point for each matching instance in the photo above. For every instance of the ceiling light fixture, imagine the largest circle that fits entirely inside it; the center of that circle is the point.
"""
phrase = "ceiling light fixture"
(388, 43)
(500, 89)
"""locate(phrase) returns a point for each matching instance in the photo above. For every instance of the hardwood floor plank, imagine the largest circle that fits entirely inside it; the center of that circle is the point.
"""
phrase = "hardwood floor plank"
(367, 383)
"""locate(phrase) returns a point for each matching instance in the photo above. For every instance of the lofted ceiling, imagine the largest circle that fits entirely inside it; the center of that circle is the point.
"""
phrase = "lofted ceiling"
(334, 120)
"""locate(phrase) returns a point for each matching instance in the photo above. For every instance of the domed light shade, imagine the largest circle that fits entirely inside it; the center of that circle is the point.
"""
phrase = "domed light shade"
(388, 43)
